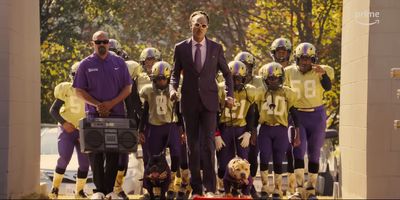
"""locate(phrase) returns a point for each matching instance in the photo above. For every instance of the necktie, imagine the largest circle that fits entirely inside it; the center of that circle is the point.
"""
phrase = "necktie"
(197, 58)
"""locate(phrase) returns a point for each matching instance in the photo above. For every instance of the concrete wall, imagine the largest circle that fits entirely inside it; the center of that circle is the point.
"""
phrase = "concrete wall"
(19, 98)
(383, 142)
(370, 147)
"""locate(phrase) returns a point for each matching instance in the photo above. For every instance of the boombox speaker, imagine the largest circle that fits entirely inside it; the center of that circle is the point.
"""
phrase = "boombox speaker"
(108, 135)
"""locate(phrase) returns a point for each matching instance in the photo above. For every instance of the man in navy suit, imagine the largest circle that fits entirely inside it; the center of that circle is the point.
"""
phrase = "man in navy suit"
(199, 59)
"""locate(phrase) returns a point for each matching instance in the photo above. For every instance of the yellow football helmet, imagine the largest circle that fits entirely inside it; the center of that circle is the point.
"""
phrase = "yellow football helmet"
(74, 68)
(237, 68)
(281, 43)
(239, 73)
(306, 49)
(133, 68)
(150, 53)
(246, 58)
(161, 68)
(273, 75)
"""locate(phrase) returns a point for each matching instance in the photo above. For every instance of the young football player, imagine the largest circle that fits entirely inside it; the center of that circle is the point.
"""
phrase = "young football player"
(67, 110)
(309, 80)
(160, 119)
(274, 103)
(236, 124)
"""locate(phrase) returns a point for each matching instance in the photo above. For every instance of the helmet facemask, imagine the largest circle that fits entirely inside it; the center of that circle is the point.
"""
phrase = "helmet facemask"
(238, 82)
(274, 82)
(148, 63)
(281, 54)
(305, 63)
(161, 82)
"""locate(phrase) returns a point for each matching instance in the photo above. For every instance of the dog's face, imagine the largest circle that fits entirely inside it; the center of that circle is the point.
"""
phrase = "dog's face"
(157, 167)
(239, 169)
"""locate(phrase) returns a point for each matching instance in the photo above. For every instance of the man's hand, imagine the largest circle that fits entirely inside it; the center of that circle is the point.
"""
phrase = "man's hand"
(245, 137)
(174, 96)
(183, 138)
(104, 113)
(219, 143)
(318, 69)
(105, 106)
(229, 102)
(296, 141)
(142, 139)
(68, 127)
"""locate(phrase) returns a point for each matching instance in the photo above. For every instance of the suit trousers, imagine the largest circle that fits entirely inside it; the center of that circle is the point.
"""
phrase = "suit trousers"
(200, 125)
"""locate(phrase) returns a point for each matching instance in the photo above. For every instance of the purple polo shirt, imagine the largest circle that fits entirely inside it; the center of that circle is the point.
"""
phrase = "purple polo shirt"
(103, 80)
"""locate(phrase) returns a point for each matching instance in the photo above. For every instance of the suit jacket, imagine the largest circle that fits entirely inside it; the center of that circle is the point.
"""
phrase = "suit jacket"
(201, 84)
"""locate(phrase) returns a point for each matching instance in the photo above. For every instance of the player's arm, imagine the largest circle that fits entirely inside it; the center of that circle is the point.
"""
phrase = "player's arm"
(296, 122)
(250, 117)
(325, 80)
(133, 103)
(144, 119)
(55, 113)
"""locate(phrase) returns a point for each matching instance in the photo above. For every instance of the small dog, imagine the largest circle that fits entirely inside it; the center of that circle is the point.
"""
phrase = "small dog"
(237, 178)
(157, 176)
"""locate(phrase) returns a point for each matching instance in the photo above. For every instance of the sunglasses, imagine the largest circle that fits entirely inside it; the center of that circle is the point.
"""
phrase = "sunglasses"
(197, 25)
(101, 41)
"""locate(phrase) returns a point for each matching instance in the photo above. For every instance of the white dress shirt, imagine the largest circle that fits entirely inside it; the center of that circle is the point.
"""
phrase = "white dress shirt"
(203, 50)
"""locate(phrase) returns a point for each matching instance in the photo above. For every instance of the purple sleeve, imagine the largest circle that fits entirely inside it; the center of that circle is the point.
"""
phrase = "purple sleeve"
(176, 71)
(126, 77)
(80, 79)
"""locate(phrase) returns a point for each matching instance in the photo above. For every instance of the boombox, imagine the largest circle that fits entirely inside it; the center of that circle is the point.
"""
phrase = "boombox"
(108, 135)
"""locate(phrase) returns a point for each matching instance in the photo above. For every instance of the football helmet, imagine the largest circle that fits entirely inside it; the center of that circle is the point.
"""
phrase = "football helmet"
(133, 68)
(246, 58)
(273, 75)
(114, 45)
(281, 43)
(74, 68)
(150, 52)
(305, 50)
(161, 70)
(239, 73)
(148, 57)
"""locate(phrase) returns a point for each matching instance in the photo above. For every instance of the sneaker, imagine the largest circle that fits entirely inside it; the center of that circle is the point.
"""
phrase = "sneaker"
(276, 196)
(113, 195)
(98, 195)
(209, 195)
(170, 195)
(253, 193)
(312, 197)
(123, 195)
(295, 196)
(145, 197)
(81, 195)
(181, 196)
(54, 193)
(264, 196)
